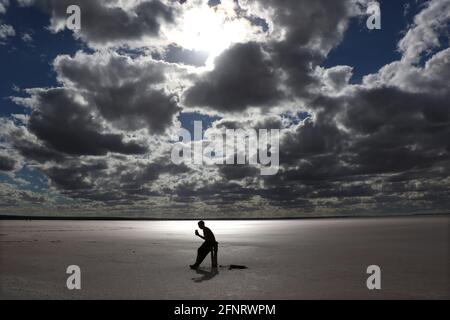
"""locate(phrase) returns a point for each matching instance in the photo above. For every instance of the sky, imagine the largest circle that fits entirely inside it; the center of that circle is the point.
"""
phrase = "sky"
(89, 117)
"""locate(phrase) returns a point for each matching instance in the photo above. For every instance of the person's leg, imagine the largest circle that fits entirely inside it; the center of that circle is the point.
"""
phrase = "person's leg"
(214, 250)
(202, 252)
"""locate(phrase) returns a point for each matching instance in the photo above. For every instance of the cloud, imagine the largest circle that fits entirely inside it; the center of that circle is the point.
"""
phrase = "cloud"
(131, 93)
(4, 6)
(10, 196)
(6, 31)
(427, 31)
(102, 136)
(66, 125)
(318, 25)
(27, 38)
(427, 79)
(238, 172)
(242, 77)
(176, 54)
(110, 22)
(7, 163)
(337, 78)
(111, 180)
(263, 74)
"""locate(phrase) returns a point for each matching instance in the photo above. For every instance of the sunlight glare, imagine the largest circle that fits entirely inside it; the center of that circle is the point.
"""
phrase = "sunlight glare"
(211, 30)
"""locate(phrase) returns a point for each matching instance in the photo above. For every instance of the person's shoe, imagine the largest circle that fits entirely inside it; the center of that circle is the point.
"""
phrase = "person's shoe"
(193, 266)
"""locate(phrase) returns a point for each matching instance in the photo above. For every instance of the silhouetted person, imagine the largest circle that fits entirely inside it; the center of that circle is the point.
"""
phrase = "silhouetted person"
(210, 245)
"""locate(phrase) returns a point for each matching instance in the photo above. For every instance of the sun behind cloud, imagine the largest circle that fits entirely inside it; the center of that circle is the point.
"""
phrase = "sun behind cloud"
(211, 29)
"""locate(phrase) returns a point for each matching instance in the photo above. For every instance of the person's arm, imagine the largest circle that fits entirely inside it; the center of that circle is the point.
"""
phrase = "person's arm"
(198, 234)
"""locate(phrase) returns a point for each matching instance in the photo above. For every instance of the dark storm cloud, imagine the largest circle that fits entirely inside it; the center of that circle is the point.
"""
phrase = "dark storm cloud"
(92, 180)
(394, 109)
(7, 163)
(311, 138)
(125, 91)
(399, 130)
(242, 77)
(36, 152)
(386, 130)
(297, 64)
(74, 176)
(221, 192)
(106, 22)
(69, 127)
(237, 172)
(144, 173)
(110, 180)
(390, 132)
(27, 144)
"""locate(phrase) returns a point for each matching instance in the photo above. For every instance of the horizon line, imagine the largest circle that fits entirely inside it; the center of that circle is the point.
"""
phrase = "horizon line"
(100, 218)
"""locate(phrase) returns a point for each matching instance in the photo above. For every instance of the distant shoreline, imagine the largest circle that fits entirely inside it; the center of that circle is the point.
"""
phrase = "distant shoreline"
(75, 218)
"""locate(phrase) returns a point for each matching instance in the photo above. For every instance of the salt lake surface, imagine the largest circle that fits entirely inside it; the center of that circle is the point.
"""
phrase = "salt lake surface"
(286, 259)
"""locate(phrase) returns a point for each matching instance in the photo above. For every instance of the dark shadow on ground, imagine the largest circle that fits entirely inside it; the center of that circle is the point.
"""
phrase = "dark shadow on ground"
(205, 274)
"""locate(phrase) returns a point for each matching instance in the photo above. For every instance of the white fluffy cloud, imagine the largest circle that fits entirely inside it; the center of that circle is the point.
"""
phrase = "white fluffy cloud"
(6, 31)
(424, 35)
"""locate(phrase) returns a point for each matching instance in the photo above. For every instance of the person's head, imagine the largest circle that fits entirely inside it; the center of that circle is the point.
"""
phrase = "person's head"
(201, 224)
